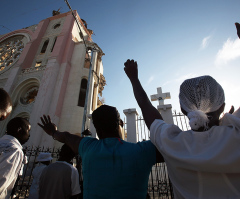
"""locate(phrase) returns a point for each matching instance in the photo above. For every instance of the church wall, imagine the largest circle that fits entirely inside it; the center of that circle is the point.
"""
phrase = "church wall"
(48, 99)
(71, 116)
(31, 48)
(50, 34)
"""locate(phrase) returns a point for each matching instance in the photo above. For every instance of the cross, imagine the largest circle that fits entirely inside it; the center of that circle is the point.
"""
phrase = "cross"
(160, 96)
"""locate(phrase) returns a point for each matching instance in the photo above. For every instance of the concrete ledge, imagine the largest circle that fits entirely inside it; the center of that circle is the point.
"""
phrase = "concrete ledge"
(130, 110)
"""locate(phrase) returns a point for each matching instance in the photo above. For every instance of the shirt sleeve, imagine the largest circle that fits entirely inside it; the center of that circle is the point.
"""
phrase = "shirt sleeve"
(162, 134)
(148, 152)
(10, 162)
(84, 144)
(75, 182)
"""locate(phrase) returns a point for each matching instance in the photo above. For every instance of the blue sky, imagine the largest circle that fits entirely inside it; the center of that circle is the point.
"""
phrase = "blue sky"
(171, 41)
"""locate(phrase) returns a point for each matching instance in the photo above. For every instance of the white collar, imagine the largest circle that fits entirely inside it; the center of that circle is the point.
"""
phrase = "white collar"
(12, 140)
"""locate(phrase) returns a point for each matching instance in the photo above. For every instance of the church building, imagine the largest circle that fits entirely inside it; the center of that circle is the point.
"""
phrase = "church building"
(45, 69)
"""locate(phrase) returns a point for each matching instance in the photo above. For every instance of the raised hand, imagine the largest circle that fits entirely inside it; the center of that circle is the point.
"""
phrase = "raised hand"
(47, 125)
(131, 69)
(231, 111)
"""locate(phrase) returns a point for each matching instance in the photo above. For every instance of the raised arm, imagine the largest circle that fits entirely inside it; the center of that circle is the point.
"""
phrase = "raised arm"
(150, 113)
(71, 140)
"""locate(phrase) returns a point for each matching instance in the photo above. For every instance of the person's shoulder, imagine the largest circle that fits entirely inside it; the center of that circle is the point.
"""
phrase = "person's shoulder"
(141, 145)
(7, 146)
(161, 126)
(87, 141)
(146, 144)
(157, 122)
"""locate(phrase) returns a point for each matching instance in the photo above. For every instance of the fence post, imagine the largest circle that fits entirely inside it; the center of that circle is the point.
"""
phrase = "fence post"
(132, 130)
(166, 112)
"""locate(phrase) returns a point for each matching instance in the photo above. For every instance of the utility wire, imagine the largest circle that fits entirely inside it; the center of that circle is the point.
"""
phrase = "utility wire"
(90, 69)
(5, 27)
(80, 31)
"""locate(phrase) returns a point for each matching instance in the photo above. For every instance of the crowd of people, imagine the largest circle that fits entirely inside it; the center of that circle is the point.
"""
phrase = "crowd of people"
(202, 162)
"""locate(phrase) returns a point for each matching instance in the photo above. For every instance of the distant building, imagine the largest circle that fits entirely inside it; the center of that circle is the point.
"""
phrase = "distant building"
(45, 69)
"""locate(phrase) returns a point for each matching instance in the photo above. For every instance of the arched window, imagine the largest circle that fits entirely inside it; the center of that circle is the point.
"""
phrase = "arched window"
(44, 48)
(82, 93)
(55, 39)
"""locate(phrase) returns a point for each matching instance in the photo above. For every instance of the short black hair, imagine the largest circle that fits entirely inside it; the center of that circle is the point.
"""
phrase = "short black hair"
(106, 118)
(15, 123)
(5, 100)
(66, 152)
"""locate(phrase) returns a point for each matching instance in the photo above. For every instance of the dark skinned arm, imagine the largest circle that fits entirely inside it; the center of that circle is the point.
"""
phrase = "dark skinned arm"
(150, 113)
(71, 140)
(159, 157)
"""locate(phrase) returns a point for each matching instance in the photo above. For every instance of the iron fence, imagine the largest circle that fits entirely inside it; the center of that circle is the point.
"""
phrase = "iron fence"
(143, 132)
(25, 178)
(159, 185)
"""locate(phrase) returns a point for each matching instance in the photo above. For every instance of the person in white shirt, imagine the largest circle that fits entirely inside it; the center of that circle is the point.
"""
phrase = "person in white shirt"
(203, 162)
(43, 160)
(60, 179)
(11, 154)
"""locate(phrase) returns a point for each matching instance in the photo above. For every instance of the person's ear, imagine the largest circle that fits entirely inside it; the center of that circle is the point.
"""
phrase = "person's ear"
(19, 129)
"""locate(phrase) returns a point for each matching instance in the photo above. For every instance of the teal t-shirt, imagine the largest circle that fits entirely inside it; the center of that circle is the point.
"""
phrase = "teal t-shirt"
(113, 168)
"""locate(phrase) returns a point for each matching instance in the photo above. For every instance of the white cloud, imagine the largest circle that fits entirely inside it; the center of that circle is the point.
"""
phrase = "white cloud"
(150, 79)
(180, 79)
(230, 51)
(205, 42)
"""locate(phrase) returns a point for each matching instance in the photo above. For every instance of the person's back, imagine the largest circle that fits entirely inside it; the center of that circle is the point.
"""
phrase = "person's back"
(202, 162)
(113, 168)
(60, 180)
(55, 181)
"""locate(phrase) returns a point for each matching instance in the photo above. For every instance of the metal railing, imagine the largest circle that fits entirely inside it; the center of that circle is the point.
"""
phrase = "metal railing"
(144, 134)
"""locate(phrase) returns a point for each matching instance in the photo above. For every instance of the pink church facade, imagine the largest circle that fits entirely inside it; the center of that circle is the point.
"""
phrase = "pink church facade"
(45, 69)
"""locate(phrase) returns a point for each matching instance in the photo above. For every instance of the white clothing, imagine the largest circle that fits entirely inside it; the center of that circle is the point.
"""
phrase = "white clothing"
(201, 164)
(59, 180)
(37, 171)
(75, 179)
(11, 157)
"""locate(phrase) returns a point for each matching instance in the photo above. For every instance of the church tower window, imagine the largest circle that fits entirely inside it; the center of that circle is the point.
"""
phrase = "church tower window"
(44, 48)
(57, 26)
(39, 63)
(55, 39)
(82, 94)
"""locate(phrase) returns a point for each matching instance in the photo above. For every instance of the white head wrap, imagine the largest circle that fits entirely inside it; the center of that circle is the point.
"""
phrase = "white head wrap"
(42, 157)
(199, 96)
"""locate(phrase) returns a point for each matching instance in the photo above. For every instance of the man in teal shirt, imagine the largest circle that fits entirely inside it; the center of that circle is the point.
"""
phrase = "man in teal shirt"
(112, 168)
